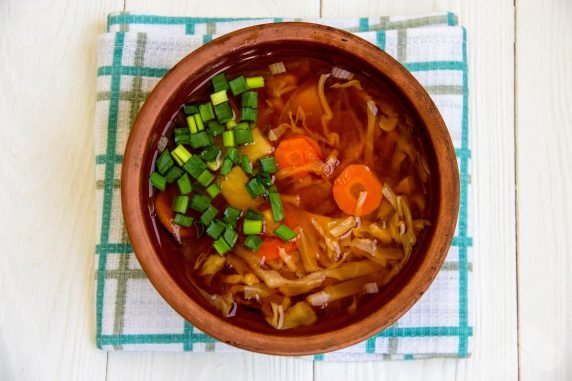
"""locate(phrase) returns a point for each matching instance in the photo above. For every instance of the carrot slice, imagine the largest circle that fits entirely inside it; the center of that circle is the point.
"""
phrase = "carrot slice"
(297, 151)
(357, 190)
(270, 246)
(165, 214)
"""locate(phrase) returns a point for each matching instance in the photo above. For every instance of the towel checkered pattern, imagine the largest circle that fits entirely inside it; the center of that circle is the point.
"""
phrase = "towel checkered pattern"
(137, 51)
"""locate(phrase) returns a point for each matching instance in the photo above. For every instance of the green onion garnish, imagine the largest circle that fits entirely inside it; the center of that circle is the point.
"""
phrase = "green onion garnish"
(267, 164)
(173, 174)
(284, 233)
(205, 178)
(199, 121)
(213, 190)
(265, 179)
(246, 164)
(238, 85)
(221, 246)
(215, 128)
(255, 187)
(184, 183)
(249, 99)
(228, 138)
(208, 215)
(206, 111)
(219, 97)
(200, 139)
(158, 181)
(243, 136)
(183, 220)
(180, 204)
(215, 164)
(242, 126)
(215, 229)
(182, 136)
(200, 202)
(192, 123)
(181, 154)
(210, 153)
(252, 227)
(233, 154)
(231, 215)
(164, 162)
(195, 166)
(190, 109)
(248, 114)
(253, 242)
(276, 205)
(253, 214)
(230, 124)
(230, 236)
(255, 82)
(223, 112)
(226, 167)
(219, 82)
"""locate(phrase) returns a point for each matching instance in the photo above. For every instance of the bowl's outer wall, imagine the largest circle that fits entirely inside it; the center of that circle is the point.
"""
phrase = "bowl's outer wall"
(192, 72)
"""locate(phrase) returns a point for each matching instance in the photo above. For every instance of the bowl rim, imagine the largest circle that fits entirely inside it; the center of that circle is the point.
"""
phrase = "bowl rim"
(133, 178)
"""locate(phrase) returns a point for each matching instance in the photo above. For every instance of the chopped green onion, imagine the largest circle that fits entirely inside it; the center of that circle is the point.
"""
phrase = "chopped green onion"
(173, 174)
(200, 202)
(246, 164)
(242, 126)
(215, 229)
(285, 233)
(219, 82)
(199, 121)
(195, 166)
(233, 154)
(265, 179)
(255, 187)
(158, 181)
(223, 112)
(221, 246)
(206, 111)
(228, 138)
(200, 139)
(192, 123)
(230, 236)
(248, 114)
(213, 190)
(231, 215)
(210, 153)
(238, 85)
(208, 215)
(182, 136)
(184, 183)
(190, 109)
(249, 99)
(215, 128)
(267, 164)
(183, 220)
(205, 178)
(215, 164)
(226, 167)
(164, 162)
(181, 154)
(255, 82)
(276, 205)
(253, 214)
(252, 227)
(243, 136)
(253, 242)
(180, 204)
(230, 124)
(219, 97)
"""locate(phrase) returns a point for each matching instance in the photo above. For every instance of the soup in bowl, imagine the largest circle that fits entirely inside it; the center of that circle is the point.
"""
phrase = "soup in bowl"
(290, 182)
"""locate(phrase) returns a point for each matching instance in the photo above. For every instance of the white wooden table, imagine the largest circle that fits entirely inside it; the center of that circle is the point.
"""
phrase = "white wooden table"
(521, 132)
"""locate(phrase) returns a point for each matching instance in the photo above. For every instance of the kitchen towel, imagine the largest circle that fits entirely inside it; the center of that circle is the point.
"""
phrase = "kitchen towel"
(137, 51)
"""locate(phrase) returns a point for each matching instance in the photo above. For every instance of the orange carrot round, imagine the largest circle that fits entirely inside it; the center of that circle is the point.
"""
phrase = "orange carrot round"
(297, 151)
(357, 190)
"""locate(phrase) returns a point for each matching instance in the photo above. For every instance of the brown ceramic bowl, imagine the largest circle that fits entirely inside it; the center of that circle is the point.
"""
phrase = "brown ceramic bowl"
(275, 40)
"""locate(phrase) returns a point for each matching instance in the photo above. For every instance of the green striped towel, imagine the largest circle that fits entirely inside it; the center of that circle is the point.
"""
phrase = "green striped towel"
(137, 51)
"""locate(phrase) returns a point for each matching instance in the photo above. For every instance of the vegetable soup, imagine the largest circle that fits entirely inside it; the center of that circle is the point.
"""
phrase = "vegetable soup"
(291, 191)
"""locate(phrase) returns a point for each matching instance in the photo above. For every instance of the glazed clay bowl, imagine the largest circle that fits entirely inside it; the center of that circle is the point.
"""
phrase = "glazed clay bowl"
(272, 41)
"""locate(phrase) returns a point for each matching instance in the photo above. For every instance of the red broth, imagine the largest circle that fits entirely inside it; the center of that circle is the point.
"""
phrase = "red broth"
(353, 180)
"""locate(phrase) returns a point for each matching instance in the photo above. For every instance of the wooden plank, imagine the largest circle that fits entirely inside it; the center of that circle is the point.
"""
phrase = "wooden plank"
(490, 30)
(544, 58)
(47, 87)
